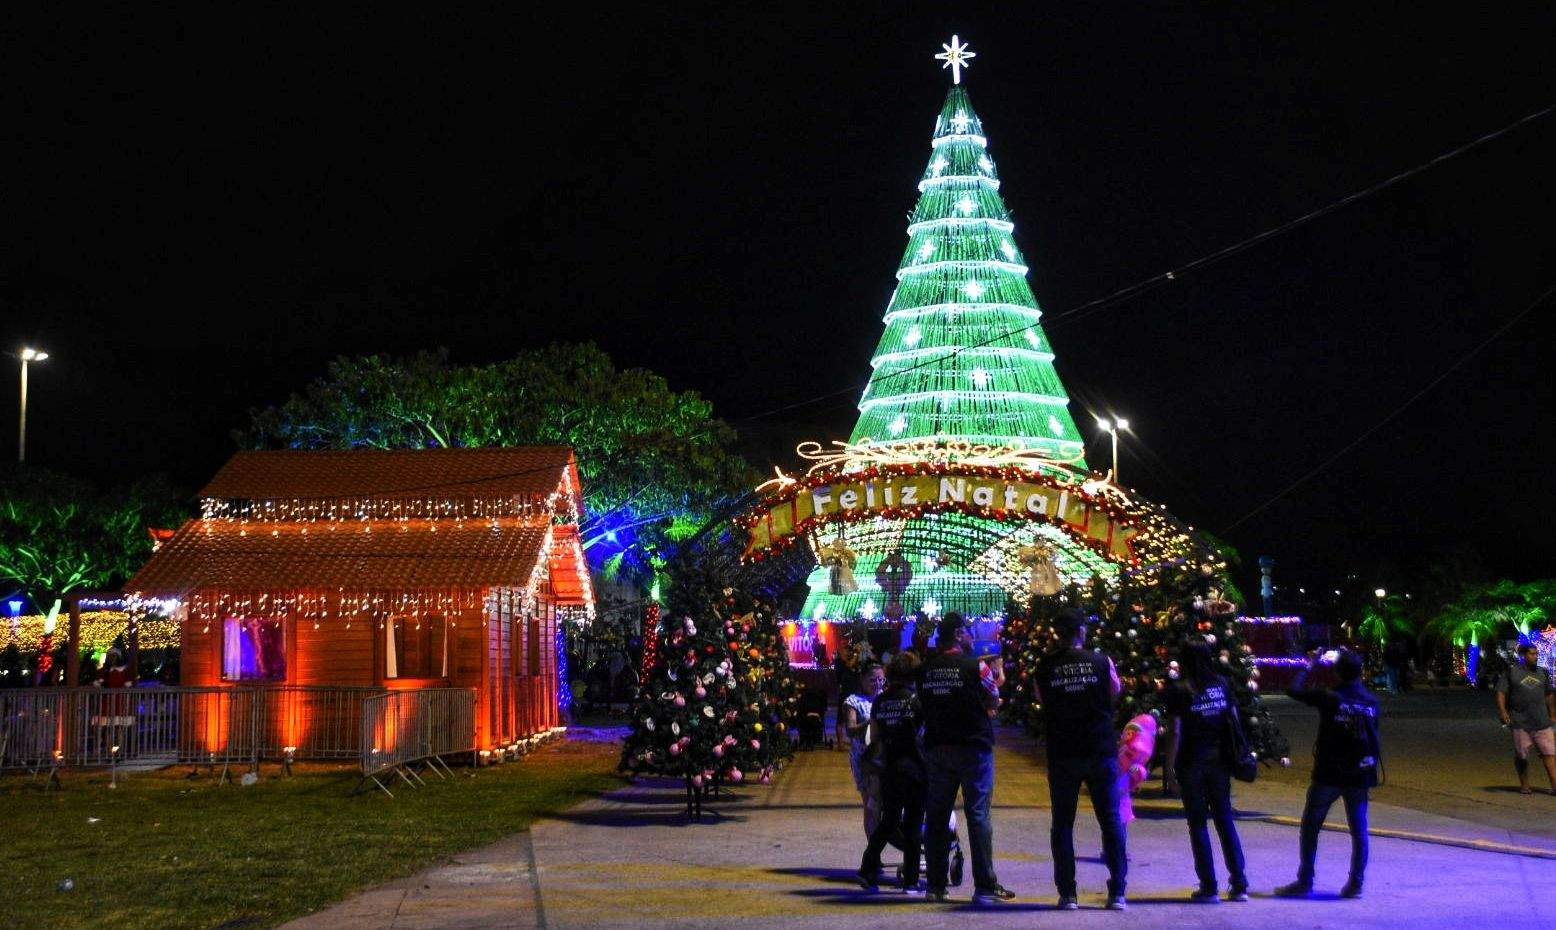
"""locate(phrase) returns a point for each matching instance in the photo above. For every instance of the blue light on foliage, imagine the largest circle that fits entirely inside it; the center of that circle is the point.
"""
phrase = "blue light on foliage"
(564, 689)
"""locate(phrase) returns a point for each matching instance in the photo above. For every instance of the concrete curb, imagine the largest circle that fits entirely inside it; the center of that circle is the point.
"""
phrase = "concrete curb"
(1507, 849)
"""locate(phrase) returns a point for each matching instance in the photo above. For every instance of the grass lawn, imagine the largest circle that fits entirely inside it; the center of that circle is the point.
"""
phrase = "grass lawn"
(166, 851)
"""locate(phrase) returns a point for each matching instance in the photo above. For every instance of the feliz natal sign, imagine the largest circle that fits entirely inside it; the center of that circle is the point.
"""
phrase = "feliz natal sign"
(1002, 494)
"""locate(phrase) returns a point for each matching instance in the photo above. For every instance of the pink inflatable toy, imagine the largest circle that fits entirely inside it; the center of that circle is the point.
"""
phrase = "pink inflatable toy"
(1135, 746)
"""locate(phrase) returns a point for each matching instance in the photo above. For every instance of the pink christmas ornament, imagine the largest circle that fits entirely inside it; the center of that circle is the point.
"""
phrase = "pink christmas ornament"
(680, 701)
(735, 775)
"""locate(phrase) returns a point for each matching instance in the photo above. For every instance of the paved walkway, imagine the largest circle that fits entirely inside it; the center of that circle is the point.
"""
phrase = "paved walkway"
(783, 856)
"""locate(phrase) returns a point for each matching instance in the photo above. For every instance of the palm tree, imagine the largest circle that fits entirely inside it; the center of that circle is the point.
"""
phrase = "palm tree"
(1485, 612)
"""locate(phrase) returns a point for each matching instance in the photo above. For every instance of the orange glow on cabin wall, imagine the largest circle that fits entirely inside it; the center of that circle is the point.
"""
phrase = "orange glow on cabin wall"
(216, 713)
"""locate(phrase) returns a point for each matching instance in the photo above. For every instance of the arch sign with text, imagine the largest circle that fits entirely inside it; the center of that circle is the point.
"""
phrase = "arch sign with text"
(1115, 525)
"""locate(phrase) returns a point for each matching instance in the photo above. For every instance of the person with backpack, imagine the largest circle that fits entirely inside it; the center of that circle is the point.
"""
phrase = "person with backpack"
(895, 721)
(1204, 741)
(1077, 688)
(1346, 761)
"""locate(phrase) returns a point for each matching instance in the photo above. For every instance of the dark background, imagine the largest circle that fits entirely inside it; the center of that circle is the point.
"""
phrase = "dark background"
(200, 211)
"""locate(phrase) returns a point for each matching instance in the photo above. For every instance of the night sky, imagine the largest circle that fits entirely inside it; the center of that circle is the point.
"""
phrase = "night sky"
(199, 213)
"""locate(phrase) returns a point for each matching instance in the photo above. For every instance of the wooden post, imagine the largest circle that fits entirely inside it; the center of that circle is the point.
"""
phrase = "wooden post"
(133, 649)
(73, 653)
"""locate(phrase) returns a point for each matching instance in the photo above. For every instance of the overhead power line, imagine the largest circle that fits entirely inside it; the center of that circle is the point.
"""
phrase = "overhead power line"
(1134, 290)
(1315, 470)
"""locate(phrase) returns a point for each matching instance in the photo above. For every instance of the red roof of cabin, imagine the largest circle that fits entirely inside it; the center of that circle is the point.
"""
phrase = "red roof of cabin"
(570, 585)
(382, 555)
(396, 474)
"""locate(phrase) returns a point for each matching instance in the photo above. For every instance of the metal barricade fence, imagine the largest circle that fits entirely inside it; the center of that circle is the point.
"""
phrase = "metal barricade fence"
(32, 722)
(219, 726)
(311, 721)
(401, 727)
(71, 727)
(149, 726)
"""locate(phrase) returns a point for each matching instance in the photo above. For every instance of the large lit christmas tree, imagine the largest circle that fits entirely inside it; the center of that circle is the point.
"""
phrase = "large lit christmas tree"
(963, 358)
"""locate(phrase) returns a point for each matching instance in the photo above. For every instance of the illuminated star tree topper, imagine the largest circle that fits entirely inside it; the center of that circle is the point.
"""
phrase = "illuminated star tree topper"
(956, 57)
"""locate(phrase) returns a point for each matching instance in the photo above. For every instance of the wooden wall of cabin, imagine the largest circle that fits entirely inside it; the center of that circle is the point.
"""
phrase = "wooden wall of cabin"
(519, 690)
(331, 654)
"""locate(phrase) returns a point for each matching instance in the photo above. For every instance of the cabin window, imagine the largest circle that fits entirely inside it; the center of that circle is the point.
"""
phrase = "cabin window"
(416, 647)
(254, 649)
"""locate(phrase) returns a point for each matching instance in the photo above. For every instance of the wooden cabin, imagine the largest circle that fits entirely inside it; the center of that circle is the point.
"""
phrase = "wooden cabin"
(381, 570)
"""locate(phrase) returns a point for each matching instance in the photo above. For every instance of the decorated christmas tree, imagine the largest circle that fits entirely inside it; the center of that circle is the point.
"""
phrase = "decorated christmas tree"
(1142, 627)
(696, 718)
(762, 656)
(713, 708)
(963, 359)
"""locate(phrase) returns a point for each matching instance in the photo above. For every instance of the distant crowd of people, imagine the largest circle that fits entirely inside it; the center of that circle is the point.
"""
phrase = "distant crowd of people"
(920, 732)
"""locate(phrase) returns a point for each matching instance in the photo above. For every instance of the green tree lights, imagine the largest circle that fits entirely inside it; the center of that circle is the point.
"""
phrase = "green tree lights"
(963, 355)
(963, 358)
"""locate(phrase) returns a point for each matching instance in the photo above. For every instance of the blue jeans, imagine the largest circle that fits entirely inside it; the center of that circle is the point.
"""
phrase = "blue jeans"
(1207, 796)
(1319, 799)
(970, 769)
(1100, 775)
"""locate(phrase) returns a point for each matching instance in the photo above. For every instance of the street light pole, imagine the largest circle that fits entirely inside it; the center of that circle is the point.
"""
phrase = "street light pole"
(27, 356)
(1113, 426)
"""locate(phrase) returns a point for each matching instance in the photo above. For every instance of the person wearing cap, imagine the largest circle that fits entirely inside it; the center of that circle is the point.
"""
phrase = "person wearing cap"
(959, 701)
(1077, 688)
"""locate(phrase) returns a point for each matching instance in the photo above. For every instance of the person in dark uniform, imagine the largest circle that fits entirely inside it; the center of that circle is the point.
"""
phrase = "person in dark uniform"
(1201, 707)
(895, 721)
(959, 697)
(1076, 688)
(1345, 765)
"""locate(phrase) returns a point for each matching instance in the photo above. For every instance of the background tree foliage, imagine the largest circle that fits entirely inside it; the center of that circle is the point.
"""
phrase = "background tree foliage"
(58, 534)
(653, 460)
(1484, 612)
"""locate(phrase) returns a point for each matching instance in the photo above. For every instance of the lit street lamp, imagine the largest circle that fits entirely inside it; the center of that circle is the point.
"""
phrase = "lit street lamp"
(1113, 426)
(1380, 593)
(27, 356)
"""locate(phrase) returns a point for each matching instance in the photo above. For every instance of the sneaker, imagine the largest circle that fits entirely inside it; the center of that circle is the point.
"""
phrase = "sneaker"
(996, 895)
(1297, 889)
(1237, 893)
(957, 864)
(1067, 902)
(868, 882)
(1352, 889)
(936, 896)
(1204, 895)
(913, 890)
(1116, 902)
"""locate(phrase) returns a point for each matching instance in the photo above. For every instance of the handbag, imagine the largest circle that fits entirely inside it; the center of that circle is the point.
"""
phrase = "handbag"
(1243, 764)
